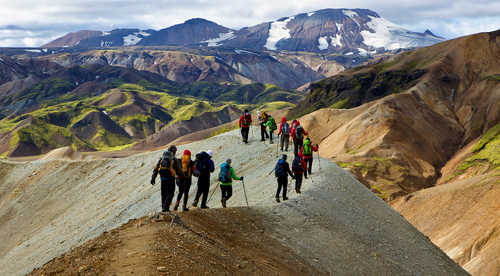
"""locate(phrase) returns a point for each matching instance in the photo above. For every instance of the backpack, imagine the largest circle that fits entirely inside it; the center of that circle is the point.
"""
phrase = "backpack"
(198, 162)
(306, 150)
(297, 165)
(186, 168)
(167, 163)
(225, 173)
(299, 133)
(279, 171)
(272, 126)
(246, 121)
(285, 128)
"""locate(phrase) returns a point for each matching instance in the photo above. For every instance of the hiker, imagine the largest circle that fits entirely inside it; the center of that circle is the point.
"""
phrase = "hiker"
(244, 123)
(263, 119)
(205, 166)
(284, 131)
(299, 168)
(167, 167)
(306, 152)
(184, 180)
(271, 124)
(226, 176)
(281, 171)
(298, 134)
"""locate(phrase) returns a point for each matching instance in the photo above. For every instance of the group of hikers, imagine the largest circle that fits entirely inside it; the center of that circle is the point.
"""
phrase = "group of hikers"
(174, 171)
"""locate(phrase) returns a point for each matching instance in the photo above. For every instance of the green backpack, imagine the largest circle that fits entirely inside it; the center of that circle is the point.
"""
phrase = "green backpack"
(307, 148)
(272, 125)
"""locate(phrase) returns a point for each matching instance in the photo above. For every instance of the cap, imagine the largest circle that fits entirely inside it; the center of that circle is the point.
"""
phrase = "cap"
(187, 152)
(210, 152)
(228, 161)
(283, 157)
(172, 148)
(246, 110)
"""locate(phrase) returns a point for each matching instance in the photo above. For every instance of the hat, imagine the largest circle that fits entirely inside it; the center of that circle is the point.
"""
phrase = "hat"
(172, 148)
(283, 157)
(228, 161)
(210, 152)
(246, 110)
(187, 152)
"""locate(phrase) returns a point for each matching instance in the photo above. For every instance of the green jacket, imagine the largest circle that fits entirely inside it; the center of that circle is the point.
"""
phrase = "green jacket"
(271, 124)
(233, 176)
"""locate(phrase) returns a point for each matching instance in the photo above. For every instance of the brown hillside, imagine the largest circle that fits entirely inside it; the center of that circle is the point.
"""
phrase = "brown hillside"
(397, 144)
(72, 39)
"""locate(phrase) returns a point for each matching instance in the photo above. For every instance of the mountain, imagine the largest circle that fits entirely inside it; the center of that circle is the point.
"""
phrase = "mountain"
(345, 31)
(396, 123)
(331, 30)
(89, 200)
(192, 31)
(72, 39)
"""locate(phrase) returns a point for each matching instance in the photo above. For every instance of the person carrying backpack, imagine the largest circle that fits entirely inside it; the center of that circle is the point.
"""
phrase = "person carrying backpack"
(298, 134)
(168, 168)
(184, 180)
(263, 132)
(271, 124)
(226, 176)
(281, 171)
(306, 152)
(299, 168)
(244, 123)
(205, 166)
(284, 131)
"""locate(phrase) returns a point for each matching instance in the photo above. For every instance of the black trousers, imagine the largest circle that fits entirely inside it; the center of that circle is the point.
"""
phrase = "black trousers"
(203, 187)
(227, 191)
(244, 133)
(263, 132)
(167, 192)
(282, 183)
(296, 146)
(184, 186)
(309, 164)
(271, 136)
(298, 181)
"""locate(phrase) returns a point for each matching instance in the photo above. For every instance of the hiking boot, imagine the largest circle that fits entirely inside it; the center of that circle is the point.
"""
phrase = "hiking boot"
(262, 140)
(195, 203)
(223, 201)
(278, 199)
(176, 207)
(165, 210)
(185, 209)
(285, 198)
(204, 207)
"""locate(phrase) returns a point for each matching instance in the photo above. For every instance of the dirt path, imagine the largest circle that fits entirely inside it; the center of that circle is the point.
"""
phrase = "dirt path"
(215, 242)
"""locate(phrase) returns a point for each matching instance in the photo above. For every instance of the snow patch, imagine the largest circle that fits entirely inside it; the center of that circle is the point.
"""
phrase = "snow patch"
(362, 52)
(350, 13)
(1, 59)
(336, 40)
(348, 54)
(391, 36)
(106, 33)
(143, 33)
(238, 51)
(310, 13)
(131, 39)
(106, 43)
(339, 26)
(323, 43)
(33, 50)
(214, 42)
(277, 32)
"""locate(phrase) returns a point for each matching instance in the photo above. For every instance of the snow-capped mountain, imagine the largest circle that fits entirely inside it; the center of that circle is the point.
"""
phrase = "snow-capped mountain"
(331, 30)
(345, 31)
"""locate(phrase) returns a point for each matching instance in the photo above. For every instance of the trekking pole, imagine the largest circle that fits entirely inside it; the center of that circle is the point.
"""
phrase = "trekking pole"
(319, 161)
(245, 192)
(277, 146)
(218, 183)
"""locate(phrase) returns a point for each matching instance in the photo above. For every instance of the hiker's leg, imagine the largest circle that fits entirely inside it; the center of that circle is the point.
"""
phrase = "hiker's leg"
(298, 181)
(295, 147)
(287, 139)
(271, 136)
(222, 191)
(187, 186)
(282, 141)
(247, 130)
(279, 188)
(180, 184)
(164, 195)
(242, 130)
(199, 191)
(229, 192)
(170, 190)
(310, 164)
(205, 188)
(285, 186)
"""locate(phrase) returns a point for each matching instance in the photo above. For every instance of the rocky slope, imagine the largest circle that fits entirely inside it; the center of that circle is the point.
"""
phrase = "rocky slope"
(335, 226)
(409, 114)
(215, 65)
(72, 39)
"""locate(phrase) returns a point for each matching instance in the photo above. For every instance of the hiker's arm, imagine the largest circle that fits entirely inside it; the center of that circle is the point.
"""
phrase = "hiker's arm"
(211, 164)
(279, 132)
(289, 171)
(233, 175)
(315, 148)
(155, 173)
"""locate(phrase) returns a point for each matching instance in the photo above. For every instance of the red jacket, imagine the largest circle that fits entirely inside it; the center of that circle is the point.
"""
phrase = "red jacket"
(313, 148)
(248, 123)
(283, 120)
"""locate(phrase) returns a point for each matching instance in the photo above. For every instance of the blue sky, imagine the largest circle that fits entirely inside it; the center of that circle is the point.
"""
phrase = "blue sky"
(35, 22)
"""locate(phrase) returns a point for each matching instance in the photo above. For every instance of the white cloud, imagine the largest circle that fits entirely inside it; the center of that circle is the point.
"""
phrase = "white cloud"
(46, 19)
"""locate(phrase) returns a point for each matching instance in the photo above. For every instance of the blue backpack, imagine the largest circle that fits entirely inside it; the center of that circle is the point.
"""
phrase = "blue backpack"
(279, 171)
(225, 173)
